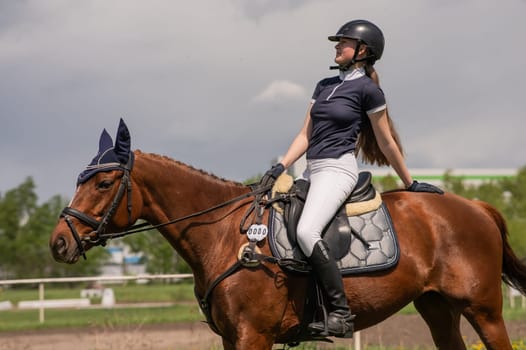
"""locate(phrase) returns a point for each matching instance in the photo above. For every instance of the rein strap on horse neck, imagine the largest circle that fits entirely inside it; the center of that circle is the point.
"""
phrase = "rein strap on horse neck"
(146, 226)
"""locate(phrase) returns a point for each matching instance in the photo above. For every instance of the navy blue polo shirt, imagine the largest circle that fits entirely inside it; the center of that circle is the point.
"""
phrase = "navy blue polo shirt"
(340, 107)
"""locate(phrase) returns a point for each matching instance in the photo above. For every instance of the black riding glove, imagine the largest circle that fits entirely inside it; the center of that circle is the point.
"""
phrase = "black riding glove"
(424, 187)
(271, 175)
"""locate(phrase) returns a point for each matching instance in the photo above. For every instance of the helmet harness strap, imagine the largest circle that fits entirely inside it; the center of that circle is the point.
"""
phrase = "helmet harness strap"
(354, 59)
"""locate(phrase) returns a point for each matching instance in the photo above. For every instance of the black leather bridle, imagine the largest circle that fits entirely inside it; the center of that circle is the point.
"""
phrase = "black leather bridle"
(98, 236)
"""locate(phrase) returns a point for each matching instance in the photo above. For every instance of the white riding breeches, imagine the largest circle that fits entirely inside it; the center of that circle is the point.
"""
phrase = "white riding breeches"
(331, 183)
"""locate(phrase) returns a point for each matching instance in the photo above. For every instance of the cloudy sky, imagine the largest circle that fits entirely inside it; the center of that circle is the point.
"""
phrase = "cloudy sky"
(223, 85)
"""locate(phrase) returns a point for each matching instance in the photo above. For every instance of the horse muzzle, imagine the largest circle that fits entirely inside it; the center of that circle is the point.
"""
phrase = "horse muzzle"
(62, 252)
(63, 247)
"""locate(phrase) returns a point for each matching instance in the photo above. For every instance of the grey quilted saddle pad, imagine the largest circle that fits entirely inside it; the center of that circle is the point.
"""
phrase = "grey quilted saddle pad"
(376, 228)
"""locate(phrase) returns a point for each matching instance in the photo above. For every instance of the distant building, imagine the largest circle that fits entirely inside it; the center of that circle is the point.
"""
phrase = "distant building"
(122, 261)
(470, 176)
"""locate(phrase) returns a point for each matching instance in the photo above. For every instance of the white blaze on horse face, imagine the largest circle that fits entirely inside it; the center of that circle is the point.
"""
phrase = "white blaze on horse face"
(73, 198)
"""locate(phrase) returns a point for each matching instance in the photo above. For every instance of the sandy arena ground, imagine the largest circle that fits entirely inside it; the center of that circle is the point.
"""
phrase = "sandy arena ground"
(407, 331)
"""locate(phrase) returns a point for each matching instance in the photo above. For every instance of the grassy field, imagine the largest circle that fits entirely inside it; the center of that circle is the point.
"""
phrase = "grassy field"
(130, 300)
(61, 318)
(128, 293)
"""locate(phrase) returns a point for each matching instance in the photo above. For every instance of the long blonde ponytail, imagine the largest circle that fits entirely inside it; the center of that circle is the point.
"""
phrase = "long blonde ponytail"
(367, 146)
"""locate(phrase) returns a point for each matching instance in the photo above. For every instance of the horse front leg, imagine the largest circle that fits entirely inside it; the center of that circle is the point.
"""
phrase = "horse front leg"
(249, 308)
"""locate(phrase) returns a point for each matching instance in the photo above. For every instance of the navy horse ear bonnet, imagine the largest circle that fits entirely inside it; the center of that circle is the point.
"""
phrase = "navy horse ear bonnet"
(110, 157)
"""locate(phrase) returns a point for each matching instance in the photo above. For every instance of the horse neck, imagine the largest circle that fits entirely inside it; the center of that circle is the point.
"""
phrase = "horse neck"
(171, 190)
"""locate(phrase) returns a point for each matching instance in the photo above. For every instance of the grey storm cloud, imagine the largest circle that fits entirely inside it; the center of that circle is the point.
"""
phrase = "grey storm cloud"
(224, 85)
(259, 8)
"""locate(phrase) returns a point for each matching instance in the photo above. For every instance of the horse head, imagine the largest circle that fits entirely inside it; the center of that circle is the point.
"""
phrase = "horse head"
(102, 202)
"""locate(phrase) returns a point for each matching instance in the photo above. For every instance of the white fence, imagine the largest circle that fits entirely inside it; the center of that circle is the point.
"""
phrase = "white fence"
(42, 303)
(513, 294)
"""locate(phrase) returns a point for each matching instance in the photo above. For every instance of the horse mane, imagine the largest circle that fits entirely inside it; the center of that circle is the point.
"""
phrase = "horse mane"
(190, 168)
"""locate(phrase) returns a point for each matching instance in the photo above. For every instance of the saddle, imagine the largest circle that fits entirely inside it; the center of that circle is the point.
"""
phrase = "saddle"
(361, 236)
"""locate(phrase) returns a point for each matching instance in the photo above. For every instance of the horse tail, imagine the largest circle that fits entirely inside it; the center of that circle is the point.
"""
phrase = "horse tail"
(513, 270)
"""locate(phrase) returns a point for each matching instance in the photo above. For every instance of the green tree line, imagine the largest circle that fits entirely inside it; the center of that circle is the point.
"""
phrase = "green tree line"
(26, 225)
(25, 228)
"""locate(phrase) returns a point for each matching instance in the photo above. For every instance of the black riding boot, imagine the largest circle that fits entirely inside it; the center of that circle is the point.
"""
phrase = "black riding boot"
(339, 320)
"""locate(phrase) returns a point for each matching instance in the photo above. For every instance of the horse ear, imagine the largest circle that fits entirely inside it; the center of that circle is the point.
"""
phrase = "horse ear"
(123, 143)
(105, 142)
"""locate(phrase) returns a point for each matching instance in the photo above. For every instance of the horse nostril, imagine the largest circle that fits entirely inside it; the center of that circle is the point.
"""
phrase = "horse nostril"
(60, 245)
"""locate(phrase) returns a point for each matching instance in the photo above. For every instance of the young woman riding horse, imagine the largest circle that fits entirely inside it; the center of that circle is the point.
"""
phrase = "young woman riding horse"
(347, 115)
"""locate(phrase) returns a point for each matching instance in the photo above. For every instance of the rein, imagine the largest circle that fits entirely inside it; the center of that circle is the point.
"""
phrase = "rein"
(146, 226)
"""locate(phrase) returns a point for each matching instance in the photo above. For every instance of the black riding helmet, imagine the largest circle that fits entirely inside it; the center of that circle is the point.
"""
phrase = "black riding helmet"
(365, 32)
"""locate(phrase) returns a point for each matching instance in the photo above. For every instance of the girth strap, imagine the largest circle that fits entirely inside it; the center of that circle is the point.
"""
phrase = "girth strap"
(248, 255)
(203, 302)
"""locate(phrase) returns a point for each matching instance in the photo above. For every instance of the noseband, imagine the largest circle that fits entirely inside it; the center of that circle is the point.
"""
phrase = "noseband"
(98, 236)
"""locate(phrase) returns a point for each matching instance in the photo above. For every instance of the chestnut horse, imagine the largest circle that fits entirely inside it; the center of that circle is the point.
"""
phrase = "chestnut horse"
(453, 254)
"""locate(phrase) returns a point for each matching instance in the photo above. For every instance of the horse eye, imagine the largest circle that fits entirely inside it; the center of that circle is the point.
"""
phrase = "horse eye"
(105, 185)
